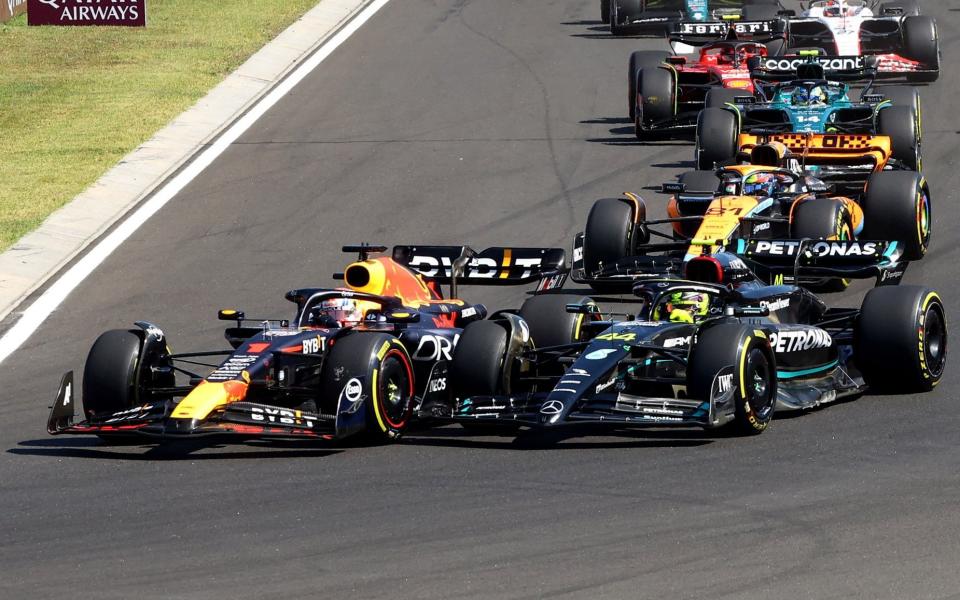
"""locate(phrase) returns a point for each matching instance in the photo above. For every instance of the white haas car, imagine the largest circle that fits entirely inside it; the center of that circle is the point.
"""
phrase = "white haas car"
(905, 42)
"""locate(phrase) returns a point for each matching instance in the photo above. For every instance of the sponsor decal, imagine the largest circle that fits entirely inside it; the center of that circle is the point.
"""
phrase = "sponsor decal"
(282, 416)
(478, 268)
(775, 305)
(798, 341)
(551, 407)
(829, 63)
(723, 28)
(437, 385)
(677, 341)
(761, 227)
(435, 347)
(353, 390)
(257, 347)
(232, 368)
(819, 249)
(578, 254)
(606, 385)
(131, 414)
(639, 324)
(155, 332)
(724, 383)
(468, 312)
(579, 372)
(126, 13)
(600, 354)
(314, 345)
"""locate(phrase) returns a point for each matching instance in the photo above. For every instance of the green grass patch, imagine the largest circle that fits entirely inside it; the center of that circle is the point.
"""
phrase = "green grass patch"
(74, 100)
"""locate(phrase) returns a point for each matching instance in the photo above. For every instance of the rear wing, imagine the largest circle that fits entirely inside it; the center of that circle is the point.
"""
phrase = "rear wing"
(493, 266)
(695, 33)
(811, 65)
(846, 160)
(840, 259)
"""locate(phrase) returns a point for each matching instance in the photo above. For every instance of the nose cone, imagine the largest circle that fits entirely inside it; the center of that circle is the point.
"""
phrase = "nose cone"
(207, 397)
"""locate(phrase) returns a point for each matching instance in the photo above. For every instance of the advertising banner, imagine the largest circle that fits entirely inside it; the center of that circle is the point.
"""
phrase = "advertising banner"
(124, 13)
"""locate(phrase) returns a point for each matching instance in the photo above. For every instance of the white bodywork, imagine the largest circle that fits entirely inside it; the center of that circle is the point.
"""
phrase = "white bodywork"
(844, 19)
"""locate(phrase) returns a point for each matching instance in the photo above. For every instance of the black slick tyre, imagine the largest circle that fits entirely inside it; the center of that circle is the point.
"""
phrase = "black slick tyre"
(723, 98)
(608, 235)
(735, 349)
(903, 95)
(760, 12)
(921, 43)
(377, 367)
(605, 11)
(700, 182)
(657, 101)
(717, 133)
(822, 219)
(550, 323)
(477, 365)
(900, 339)
(110, 373)
(900, 123)
(639, 60)
(897, 207)
(621, 12)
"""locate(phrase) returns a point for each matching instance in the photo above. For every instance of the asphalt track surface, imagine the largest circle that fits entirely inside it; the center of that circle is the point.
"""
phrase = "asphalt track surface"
(489, 122)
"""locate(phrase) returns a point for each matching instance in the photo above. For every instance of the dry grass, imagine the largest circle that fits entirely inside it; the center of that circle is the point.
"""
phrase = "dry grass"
(73, 101)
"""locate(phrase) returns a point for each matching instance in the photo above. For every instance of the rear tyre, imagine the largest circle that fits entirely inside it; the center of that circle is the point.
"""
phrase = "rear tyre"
(723, 98)
(110, 373)
(621, 11)
(700, 182)
(605, 11)
(900, 124)
(716, 138)
(639, 60)
(921, 43)
(823, 219)
(477, 369)
(657, 88)
(897, 207)
(903, 95)
(381, 362)
(754, 373)
(477, 365)
(550, 323)
(900, 339)
(608, 235)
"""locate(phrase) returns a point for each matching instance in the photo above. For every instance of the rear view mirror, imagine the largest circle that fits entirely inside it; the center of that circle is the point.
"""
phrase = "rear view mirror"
(230, 314)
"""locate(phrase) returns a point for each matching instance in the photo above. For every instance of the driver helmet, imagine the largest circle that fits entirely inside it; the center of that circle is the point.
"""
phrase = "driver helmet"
(344, 312)
(685, 307)
(800, 97)
(760, 184)
(730, 185)
(818, 95)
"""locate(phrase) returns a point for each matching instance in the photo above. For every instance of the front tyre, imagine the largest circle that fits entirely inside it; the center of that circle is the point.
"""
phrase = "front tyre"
(901, 125)
(717, 133)
(754, 373)
(900, 339)
(897, 207)
(608, 236)
(110, 373)
(383, 366)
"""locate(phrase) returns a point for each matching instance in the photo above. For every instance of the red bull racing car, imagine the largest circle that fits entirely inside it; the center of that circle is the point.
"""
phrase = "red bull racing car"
(351, 360)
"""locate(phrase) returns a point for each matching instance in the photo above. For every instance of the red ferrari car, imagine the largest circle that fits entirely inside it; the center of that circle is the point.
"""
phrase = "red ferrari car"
(666, 90)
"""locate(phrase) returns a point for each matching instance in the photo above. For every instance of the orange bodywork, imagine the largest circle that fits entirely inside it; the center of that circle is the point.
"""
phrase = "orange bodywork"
(827, 148)
(383, 276)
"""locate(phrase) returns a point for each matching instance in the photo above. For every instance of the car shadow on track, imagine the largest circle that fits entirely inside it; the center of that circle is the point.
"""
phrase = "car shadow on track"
(579, 439)
(624, 135)
(101, 450)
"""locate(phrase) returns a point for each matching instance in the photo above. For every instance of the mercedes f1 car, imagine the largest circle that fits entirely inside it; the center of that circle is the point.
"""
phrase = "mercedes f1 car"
(794, 96)
(352, 360)
(905, 43)
(655, 17)
(667, 90)
(716, 348)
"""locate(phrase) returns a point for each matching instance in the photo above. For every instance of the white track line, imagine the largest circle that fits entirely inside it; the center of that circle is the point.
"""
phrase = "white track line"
(38, 312)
